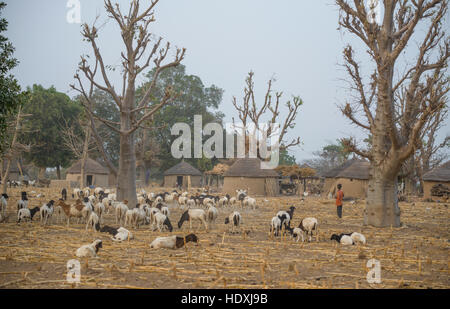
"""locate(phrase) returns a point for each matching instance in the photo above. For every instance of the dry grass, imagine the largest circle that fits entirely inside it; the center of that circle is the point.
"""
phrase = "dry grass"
(414, 256)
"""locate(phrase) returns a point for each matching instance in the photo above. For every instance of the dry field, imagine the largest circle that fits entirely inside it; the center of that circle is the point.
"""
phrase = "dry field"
(413, 256)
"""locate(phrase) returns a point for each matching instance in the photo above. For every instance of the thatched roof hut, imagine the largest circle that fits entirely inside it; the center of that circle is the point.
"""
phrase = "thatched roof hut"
(437, 176)
(95, 173)
(353, 175)
(248, 174)
(182, 174)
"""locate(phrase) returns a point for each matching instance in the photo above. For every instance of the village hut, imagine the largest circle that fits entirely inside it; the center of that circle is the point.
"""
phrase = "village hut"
(353, 175)
(184, 175)
(247, 174)
(436, 183)
(96, 174)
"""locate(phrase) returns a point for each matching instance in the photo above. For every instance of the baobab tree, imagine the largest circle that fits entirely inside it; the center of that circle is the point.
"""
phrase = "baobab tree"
(424, 83)
(142, 53)
(257, 119)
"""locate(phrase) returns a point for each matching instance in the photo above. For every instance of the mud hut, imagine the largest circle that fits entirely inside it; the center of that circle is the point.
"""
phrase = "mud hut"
(96, 174)
(437, 177)
(183, 174)
(354, 177)
(247, 174)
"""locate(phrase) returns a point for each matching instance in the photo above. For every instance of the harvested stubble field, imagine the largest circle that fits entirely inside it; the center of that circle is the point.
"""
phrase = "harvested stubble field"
(413, 256)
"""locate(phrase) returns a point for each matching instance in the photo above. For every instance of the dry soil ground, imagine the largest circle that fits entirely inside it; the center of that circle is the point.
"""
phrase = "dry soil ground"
(413, 256)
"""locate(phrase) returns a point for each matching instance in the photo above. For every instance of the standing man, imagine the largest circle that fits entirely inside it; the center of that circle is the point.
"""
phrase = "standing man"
(339, 197)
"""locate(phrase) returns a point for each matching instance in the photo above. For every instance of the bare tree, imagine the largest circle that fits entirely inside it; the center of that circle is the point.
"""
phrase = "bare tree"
(424, 83)
(250, 113)
(137, 39)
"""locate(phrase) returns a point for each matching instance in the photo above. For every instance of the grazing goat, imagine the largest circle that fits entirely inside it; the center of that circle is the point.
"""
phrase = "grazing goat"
(356, 237)
(249, 201)
(89, 250)
(75, 210)
(173, 242)
(211, 214)
(308, 225)
(234, 217)
(46, 212)
(93, 221)
(162, 221)
(26, 214)
(193, 214)
(343, 239)
(275, 225)
(121, 210)
(287, 215)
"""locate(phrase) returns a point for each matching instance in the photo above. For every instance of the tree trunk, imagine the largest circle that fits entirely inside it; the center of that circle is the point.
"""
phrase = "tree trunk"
(126, 182)
(85, 156)
(8, 162)
(58, 172)
(382, 200)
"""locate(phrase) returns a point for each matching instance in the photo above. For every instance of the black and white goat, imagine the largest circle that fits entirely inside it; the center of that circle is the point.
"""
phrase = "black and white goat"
(173, 242)
(286, 216)
(46, 212)
(356, 238)
(193, 214)
(162, 221)
(26, 214)
(343, 239)
(235, 218)
(90, 250)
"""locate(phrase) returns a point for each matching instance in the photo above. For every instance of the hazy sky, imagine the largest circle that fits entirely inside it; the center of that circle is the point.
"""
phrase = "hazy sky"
(296, 41)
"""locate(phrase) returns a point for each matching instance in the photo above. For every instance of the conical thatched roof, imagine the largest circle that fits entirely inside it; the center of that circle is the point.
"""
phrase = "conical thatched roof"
(219, 169)
(92, 167)
(357, 169)
(440, 173)
(249, 167)
(183, 168)
(333, 172)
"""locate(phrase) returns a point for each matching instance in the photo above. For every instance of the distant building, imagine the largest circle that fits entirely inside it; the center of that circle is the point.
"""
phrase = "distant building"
(437, 176)
(96, 174)
(354, 177)
(247, 174)
(183, 174)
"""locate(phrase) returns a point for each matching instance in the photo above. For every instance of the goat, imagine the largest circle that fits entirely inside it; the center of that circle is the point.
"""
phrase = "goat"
(26, 214)
(122, 234)
(308, 225)
(161, 221)
(343, 239)
(211, 214)
(234, 217)
(90, 250)
(173, 242)
(193, 214)
(46, 212)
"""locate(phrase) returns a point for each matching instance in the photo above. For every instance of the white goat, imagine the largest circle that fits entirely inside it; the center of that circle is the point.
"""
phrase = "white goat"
(89, 250)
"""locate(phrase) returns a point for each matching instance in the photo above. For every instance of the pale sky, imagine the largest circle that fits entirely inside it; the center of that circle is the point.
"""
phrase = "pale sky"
(296, 41)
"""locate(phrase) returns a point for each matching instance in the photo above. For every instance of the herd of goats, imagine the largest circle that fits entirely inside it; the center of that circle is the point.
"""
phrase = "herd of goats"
(90, 206)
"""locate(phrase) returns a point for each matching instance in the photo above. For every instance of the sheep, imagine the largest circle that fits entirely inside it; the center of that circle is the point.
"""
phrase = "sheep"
(232, 201)
(249, 201)
(112, 196)
(3, 203)
(211, 214)
(98, 190)
(207, 201)
(343, 239)
(275, 225)
(165, 210)
(91, 250)
(234, 217)
(223, 201)
(122, 234)
(86, 192)
(99, 209)
(46, 212)
(190, 203)
(77, 193)
(23, 202)
(241, 194)
(121, 209)
(173, 242)
(153, 211)
(75, 210)
(93, 222)
(161, 221)
(357, 238)
(92, 199)
(26, 214)
(193, 214)
(129, 216)
(308, 225)
(287, 215)
(182, 200)
(140, 217)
